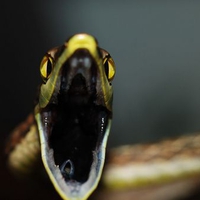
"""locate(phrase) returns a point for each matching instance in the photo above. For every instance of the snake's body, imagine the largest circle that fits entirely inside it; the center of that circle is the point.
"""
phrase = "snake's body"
(71, 123)
(153, 163)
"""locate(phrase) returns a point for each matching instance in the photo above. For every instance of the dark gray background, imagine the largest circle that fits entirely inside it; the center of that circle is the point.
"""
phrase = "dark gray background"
(155, 45)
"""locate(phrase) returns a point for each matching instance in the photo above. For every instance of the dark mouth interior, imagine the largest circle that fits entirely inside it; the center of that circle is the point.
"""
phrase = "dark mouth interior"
(75, 135)
(77, 127)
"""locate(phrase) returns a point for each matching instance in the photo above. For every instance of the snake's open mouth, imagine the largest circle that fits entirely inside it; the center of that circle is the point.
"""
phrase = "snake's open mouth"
(74, 115)
(75, 138)
(77, 130)
(78, 125)
(74, 126)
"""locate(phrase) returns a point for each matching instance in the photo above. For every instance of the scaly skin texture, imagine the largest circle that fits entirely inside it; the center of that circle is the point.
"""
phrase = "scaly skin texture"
(144, 164)
(23, 148)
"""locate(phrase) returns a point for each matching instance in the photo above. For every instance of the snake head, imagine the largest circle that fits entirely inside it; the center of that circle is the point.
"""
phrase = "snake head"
(74, 114)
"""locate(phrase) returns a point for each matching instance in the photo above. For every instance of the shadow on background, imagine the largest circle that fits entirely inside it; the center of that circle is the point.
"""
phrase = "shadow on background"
(155, 45)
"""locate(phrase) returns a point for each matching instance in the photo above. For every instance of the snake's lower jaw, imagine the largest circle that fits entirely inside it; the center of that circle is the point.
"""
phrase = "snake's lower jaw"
(69, 177)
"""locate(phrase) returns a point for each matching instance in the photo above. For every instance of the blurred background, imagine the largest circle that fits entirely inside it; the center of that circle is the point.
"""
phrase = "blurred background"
(156, 48)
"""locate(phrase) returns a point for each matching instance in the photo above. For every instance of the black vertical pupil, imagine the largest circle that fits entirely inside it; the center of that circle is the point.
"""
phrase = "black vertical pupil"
(106, 68)
(49, 67)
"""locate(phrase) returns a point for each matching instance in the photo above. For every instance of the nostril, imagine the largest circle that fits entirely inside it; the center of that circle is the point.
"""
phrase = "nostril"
(67, 169)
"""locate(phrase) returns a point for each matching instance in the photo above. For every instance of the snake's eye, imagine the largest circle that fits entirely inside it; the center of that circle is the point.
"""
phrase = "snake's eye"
(46, 67)
(108, 63)
(109, 67)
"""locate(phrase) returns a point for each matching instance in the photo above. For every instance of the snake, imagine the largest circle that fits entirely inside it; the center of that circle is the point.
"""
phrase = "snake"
(71, 120)
(69, 128)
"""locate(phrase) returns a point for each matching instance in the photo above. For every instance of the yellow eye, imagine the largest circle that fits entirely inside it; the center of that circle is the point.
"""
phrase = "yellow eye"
(46, 67)
(109, 67)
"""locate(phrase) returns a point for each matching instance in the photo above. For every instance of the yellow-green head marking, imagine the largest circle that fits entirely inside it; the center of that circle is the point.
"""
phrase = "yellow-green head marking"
(104, 63)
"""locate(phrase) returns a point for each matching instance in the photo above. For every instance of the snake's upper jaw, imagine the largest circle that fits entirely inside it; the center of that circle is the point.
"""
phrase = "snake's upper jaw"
(72, 178)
